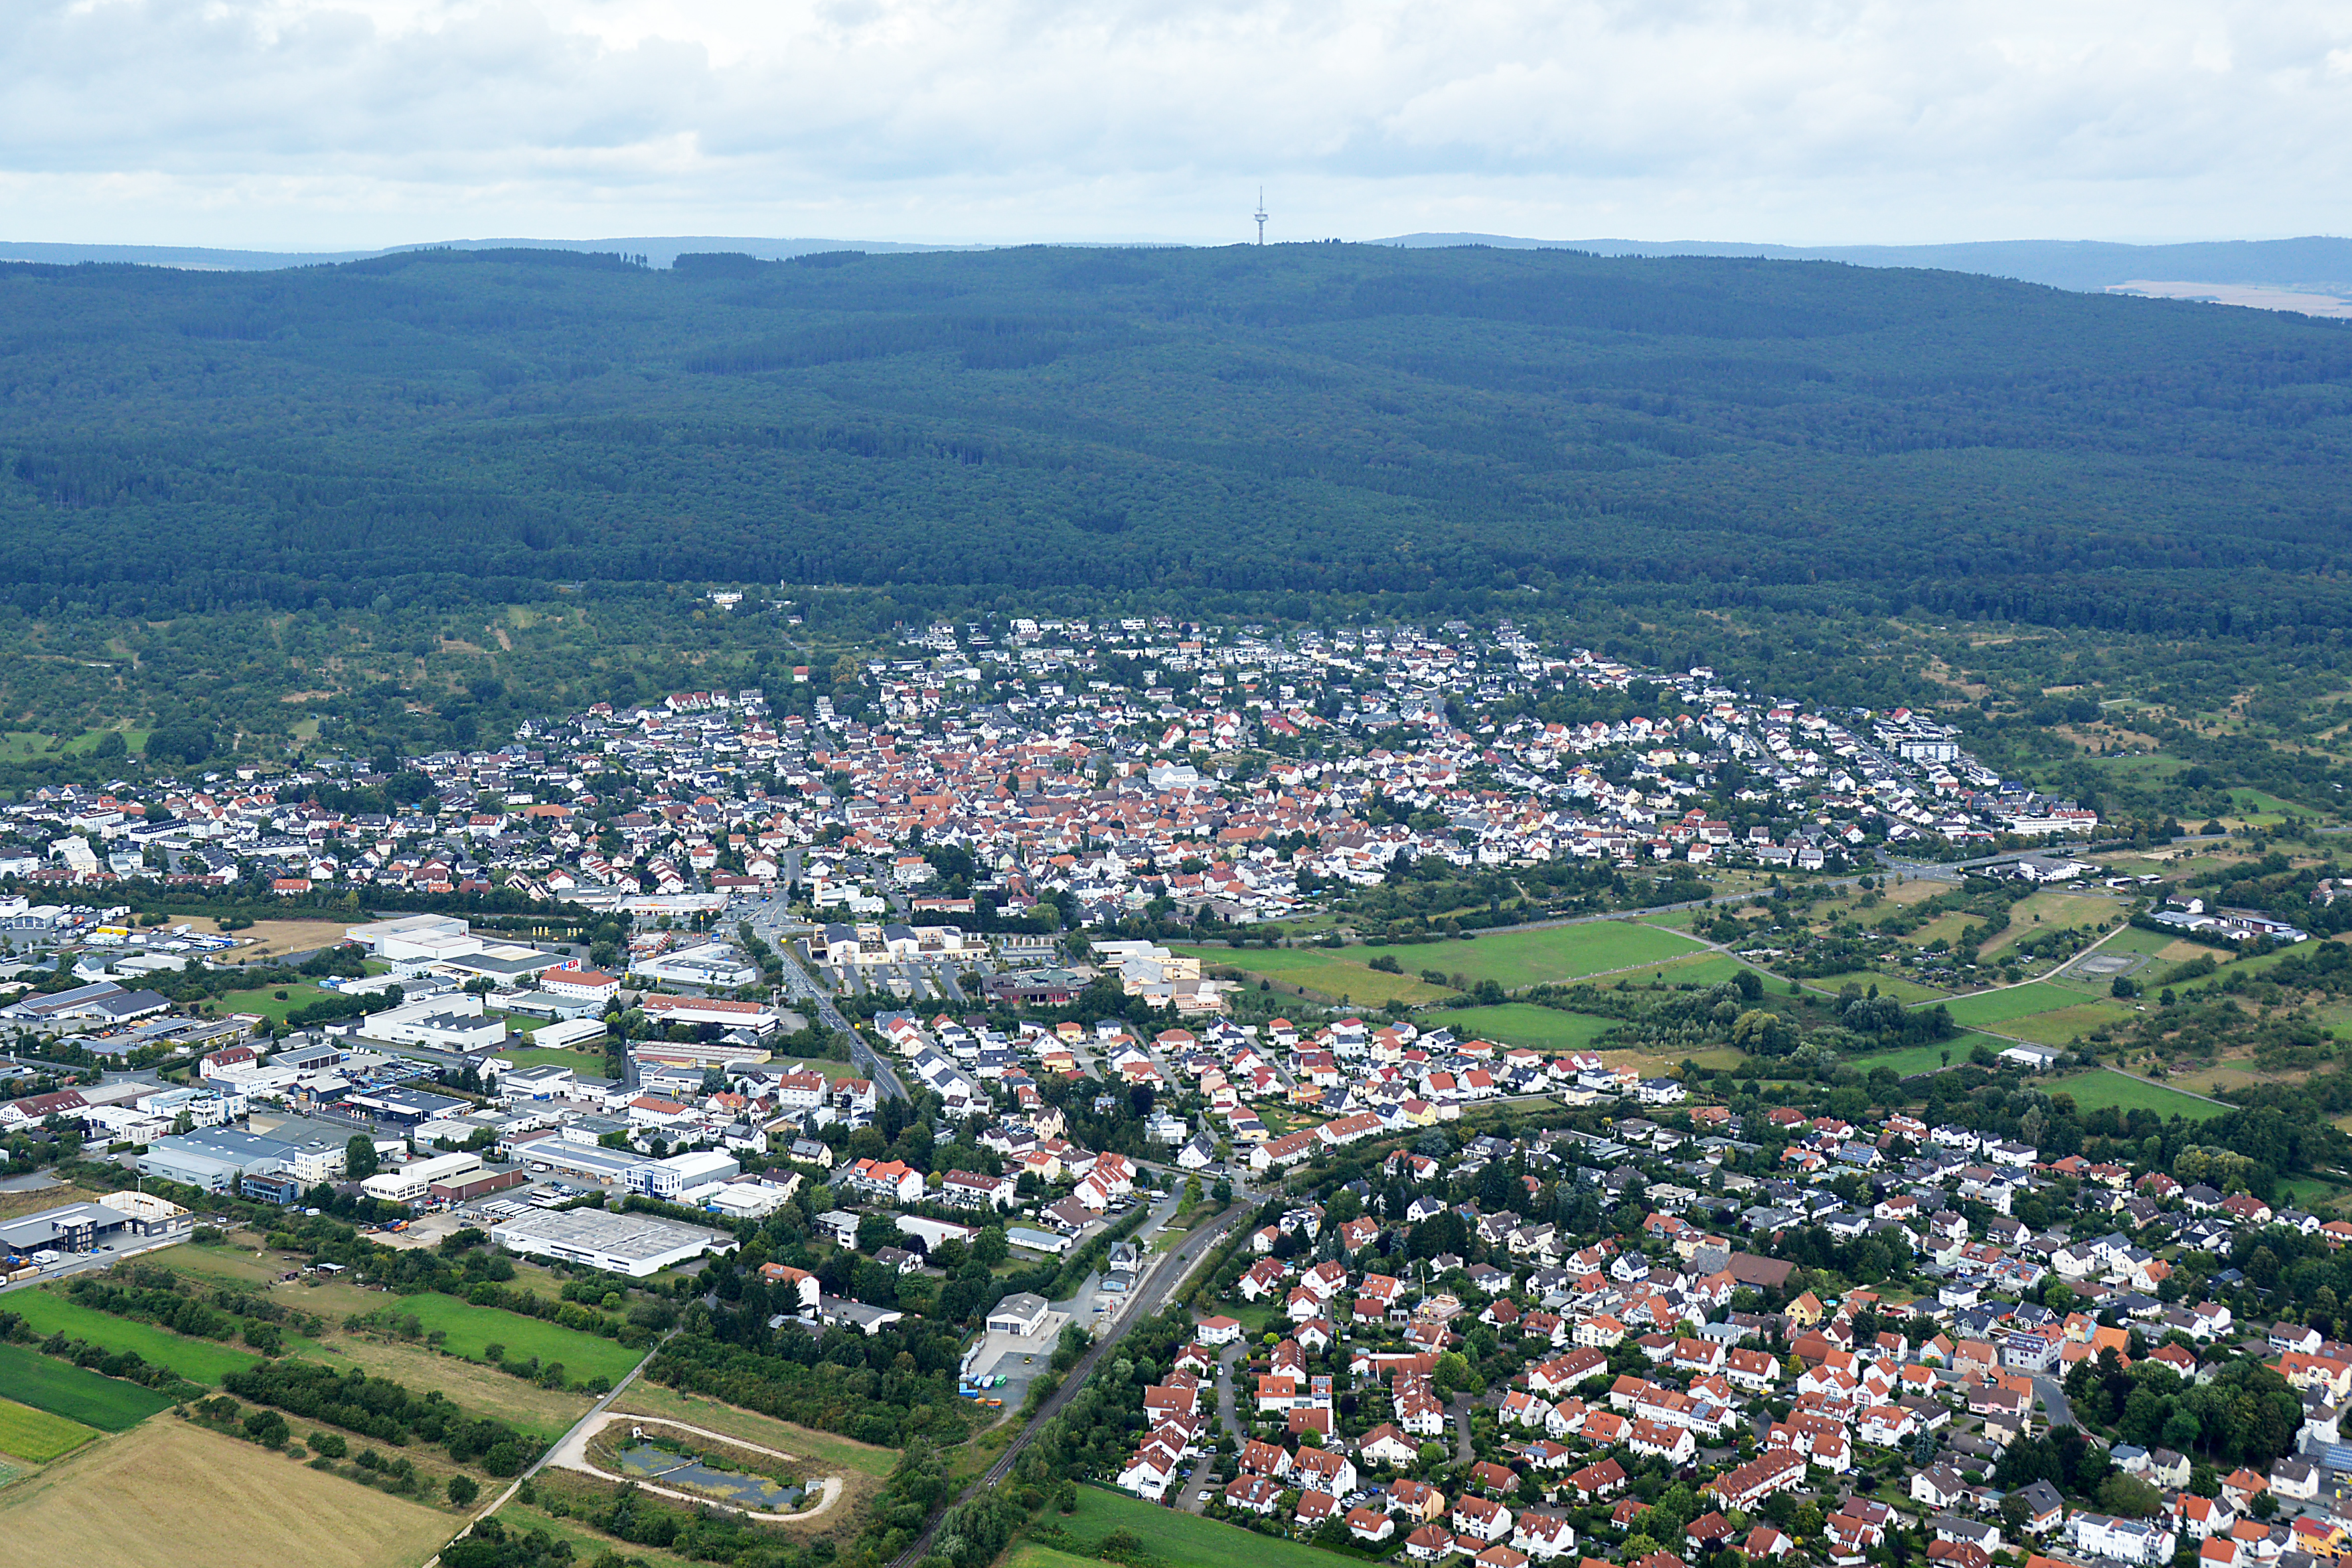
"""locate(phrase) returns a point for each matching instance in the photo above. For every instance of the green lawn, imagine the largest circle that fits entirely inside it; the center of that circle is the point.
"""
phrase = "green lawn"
(1525, 1023)
(37, 1435)
(1183, 1540)
(470, 1328)
(2015, 1002)
(1516, 958)
(2092, 1090)
(64, 1389)
(198, 1360)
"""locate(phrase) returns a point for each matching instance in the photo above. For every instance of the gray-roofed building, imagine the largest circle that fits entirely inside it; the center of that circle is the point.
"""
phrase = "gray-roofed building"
(636, 1245)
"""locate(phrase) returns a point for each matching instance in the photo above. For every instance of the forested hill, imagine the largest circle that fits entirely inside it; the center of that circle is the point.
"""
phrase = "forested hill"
(1286, 417)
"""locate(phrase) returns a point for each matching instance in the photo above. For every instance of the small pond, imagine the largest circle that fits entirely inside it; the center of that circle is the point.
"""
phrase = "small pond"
(761, 1493)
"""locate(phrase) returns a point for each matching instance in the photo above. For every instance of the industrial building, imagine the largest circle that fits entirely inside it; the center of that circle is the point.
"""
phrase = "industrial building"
(636, 1244)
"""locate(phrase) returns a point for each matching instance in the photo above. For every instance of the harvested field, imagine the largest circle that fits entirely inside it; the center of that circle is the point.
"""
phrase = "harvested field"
(172, 1493)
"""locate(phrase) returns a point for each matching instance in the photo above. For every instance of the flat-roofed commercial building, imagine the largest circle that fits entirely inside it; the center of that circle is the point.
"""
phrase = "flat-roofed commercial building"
(633, 1244)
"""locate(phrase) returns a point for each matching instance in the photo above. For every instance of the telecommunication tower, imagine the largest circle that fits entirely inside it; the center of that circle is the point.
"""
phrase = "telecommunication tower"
(1260, 214)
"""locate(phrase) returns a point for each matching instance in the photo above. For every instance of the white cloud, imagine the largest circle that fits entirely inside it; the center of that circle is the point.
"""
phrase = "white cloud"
(349, 122)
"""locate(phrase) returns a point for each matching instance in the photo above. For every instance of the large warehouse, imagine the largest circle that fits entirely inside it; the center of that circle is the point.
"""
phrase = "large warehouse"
(633, 1244)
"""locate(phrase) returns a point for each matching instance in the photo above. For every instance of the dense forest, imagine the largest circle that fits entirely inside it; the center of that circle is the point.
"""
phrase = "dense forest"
(395, 432)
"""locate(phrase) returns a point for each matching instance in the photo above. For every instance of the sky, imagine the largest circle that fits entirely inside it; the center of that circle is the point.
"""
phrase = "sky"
(330, 124)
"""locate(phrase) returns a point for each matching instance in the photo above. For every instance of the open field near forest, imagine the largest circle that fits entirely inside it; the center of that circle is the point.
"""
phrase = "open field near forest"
(1525, 1023)
(469, 1329)
(829, 1450)
(64, 1389)
(198, 1360)
(1340, 972)
(1706, 969)
(173, 1492)
(2103, 1086)
(1184, 1539)
(37, 1435)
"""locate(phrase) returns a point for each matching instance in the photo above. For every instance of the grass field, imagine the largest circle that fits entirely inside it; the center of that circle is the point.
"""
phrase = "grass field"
(587, 1545)
(583, 1064)
(1516, 958)
(1345, 972)
(1892, 985)
(1525, 1023)
(2092, 1090)
(470, 1328)
(266, 1002)
(37, 1435)
(1989, 1008)
(1707, 969)
(828, 1448)
(64, 1389)
(1927, 1058)
(1184, 1539)
(2066, 1025)
(2303, 1192)
(2131, 939)
(198, 1360)
(546, 1412)
(173, 1492)
(1029, 1554)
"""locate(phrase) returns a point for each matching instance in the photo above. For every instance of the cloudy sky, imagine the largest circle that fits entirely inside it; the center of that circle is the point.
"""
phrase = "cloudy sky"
(349, 124)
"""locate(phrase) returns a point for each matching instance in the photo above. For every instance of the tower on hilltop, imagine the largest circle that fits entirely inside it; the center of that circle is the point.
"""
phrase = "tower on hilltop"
(1260, 214)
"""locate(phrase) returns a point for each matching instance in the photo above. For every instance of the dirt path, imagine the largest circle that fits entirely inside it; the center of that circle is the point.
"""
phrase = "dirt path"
(571, 1454)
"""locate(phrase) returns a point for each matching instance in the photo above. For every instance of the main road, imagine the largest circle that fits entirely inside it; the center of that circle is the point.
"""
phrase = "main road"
(768, 919)
(1165, 1281)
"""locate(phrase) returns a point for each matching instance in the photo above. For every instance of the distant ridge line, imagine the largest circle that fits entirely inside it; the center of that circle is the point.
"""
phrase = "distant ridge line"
(2315, 262)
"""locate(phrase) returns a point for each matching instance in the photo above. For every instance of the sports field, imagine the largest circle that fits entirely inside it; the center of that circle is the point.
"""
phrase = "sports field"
(1184, 1539)
(64, 1389)
(470, 1328)
(198, 1360)
(1525, 1023)
(38, 1435)
(2092, 1090)
(1516, 958)
(173, 1493)
(1343, 971)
